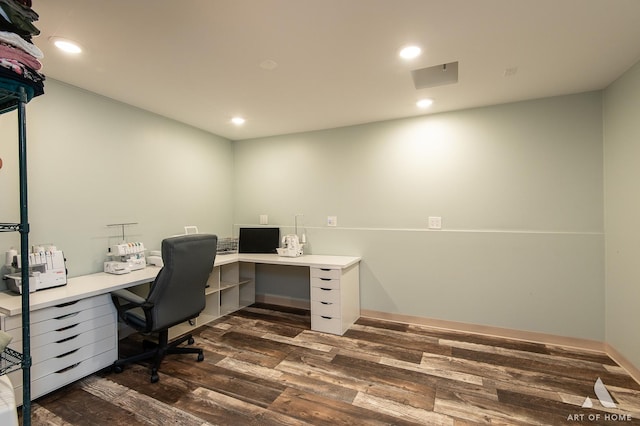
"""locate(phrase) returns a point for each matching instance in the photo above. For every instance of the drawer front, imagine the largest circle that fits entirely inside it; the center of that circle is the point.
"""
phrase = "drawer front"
(327, 309)
(15, 321)
(44, 329)
(319, 294)
(325, 282)
(70, 358)
(72, 343)
(63, 377)
(326, 324)
(325, 273)
(73, 330)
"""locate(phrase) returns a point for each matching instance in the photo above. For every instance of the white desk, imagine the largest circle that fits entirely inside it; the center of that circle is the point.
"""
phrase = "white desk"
(74, 327)
(99, 283)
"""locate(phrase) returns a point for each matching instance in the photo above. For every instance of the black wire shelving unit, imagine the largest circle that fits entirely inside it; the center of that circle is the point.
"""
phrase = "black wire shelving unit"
(10, 360)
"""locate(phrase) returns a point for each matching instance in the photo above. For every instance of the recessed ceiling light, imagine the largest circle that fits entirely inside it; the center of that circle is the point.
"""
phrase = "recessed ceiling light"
(238, 121)
(66, 45)
(410, 52)
(268, 64)
(424, 103)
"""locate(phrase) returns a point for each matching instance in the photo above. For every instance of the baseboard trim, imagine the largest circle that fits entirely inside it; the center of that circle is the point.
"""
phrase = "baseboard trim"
(623, 362)
(529, 336)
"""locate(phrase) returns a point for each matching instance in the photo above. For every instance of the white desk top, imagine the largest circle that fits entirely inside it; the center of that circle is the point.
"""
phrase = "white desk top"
(310, 260)
(101, 282)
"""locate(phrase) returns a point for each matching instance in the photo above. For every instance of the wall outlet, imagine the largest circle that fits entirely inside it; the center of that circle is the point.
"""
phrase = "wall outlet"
(435, 222)
(332, 220)
(264, 219)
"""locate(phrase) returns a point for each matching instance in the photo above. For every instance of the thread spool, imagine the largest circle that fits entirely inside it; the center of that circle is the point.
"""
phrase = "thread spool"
(10, 255)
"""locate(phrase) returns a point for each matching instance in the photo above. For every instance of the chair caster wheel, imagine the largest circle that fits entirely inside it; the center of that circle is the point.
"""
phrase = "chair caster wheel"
(117, 369)
(200, 357)
(155, 378)
(191, 341)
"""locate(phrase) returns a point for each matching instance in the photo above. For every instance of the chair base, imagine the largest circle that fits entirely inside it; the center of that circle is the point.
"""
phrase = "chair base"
(157, 353)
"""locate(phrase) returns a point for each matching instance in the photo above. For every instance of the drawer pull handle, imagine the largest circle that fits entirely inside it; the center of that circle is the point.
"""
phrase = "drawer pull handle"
(64, 370)
(67, 339)
(325, 269)
(325, 289)
(326, 303)
(73, 314)
(69, 327)
(325, 317)
(325, 279)
(62, 305)
(68, 353)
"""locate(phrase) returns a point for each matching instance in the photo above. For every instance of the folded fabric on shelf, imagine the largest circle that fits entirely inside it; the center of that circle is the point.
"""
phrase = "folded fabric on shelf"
(29, 78)
(9, 52)
(17, 19)
(17, 41)
(20, 9)
(22, 70)
(6, 25)
(19, 62)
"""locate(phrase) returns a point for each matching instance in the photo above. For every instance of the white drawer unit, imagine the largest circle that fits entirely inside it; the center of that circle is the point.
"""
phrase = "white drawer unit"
(68, 342)
(335, 298)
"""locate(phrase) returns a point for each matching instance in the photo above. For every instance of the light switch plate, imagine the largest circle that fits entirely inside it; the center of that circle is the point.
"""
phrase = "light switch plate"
(332, 220)
(435, 222)
(264, 219)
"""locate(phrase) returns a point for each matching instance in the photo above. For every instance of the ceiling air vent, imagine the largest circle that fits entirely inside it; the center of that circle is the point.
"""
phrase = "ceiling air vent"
(437, 75)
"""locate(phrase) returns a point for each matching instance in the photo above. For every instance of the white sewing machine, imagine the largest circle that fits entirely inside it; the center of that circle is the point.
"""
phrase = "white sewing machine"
(291, 246)
(47, 269)
(125, 257)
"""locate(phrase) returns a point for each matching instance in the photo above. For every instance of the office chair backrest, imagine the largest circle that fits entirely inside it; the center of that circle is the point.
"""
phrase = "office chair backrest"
(178, 291)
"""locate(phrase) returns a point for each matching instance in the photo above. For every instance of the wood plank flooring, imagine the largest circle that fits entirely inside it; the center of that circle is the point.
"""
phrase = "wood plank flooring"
(263, 366)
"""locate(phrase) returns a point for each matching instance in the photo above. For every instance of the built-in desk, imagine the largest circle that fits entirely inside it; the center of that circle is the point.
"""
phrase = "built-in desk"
(74, 327)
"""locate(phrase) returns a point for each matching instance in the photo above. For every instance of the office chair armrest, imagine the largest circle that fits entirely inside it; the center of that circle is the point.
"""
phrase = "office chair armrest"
(132, 301)
(129, 297)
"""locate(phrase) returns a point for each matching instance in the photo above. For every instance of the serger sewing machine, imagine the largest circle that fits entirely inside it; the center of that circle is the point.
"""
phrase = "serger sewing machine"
(292, 247)
(125, 257)
(46, 269)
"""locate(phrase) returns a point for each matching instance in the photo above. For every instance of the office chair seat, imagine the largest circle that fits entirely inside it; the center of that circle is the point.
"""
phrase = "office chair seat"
(177, 295)
(135, 319)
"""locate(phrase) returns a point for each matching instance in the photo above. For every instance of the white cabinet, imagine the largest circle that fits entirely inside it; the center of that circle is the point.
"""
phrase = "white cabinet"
(68, 341)
(335, 298)
(230, 287)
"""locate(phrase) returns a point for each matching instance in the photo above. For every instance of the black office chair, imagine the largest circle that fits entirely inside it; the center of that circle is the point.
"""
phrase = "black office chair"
(176, 295)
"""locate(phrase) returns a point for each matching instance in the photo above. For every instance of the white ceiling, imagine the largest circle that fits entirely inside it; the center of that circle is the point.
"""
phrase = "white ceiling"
(198, 61)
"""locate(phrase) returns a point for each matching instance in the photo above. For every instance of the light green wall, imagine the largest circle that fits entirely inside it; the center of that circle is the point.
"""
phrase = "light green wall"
(622, 213)
(93, 161)
(518, 187)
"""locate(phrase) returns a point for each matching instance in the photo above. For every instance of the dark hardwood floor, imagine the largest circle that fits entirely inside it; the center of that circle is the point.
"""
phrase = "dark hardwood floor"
(263, 366)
